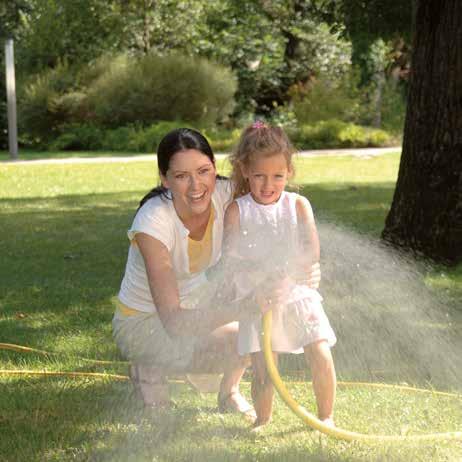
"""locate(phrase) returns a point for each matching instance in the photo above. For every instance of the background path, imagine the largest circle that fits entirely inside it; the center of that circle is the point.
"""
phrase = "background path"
(362, 152)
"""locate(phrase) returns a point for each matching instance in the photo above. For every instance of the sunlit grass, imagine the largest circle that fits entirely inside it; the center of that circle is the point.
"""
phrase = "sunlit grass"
(63, 251)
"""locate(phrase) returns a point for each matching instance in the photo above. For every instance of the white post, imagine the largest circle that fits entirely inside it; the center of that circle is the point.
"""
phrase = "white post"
(11, 99)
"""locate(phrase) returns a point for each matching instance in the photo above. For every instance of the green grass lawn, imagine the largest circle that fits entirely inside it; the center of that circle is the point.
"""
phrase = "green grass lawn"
(63, 251)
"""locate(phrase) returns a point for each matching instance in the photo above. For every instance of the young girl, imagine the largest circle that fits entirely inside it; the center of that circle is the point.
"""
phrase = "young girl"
(270, 233)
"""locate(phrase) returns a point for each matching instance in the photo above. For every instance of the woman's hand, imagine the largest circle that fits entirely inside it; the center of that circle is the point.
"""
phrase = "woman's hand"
(310, 276)
(314, 276)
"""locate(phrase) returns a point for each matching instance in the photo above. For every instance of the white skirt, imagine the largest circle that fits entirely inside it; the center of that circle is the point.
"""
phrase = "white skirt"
(294, 326)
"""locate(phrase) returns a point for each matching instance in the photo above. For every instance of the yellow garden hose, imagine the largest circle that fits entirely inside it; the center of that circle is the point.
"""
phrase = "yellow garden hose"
(314, 422)
(23, 349)
(301, 412)
(100, 375)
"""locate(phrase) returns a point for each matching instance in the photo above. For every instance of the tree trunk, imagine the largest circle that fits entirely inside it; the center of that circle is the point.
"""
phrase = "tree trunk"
(426, 213)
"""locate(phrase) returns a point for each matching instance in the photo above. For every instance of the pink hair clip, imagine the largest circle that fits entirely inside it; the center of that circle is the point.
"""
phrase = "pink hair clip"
(259, 124)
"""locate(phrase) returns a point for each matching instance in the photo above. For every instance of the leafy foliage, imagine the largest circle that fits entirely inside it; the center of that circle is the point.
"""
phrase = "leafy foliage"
(123, 90)
(328, 98)
(53, 31)
(337, 134)
(152, 88)
(271, 46)
(275, 51)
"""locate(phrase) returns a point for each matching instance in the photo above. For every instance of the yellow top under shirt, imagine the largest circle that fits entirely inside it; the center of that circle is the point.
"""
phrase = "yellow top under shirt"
(199, 253)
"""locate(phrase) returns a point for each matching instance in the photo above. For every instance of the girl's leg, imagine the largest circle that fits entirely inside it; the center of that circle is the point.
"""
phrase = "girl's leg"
(262, 389)
(319, 357)
(218, 353)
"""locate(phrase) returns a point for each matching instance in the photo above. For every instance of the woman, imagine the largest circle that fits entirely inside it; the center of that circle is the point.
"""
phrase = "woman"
(170, 317)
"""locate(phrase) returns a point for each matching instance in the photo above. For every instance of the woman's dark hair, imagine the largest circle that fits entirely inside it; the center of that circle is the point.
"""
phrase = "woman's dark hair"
(175, 141)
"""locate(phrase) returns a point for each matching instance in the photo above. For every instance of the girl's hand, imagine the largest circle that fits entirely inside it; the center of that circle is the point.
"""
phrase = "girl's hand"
(273, 293)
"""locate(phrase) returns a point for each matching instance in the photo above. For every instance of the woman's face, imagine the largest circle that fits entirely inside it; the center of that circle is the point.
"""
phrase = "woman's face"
(191, 178)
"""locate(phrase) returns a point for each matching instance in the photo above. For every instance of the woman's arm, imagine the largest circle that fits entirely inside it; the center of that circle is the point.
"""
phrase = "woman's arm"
(164, 289)
(309, 261)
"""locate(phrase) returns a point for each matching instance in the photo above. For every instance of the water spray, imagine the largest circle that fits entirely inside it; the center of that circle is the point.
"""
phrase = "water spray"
(317, 424)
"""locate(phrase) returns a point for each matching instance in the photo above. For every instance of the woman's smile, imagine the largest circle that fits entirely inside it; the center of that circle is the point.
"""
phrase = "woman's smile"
(191, 179)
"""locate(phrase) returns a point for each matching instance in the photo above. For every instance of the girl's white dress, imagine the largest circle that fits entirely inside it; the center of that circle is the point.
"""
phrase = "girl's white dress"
(269, 246)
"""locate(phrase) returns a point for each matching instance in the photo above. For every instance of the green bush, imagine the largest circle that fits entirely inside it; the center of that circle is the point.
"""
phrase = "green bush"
(150, 137)
(222, 140)
(393, 108)
(152, 88)
(124, 91)
(48, 101)
(121, 139)
(78, 137)
(132, 138)
(326, 99)
(337, 134)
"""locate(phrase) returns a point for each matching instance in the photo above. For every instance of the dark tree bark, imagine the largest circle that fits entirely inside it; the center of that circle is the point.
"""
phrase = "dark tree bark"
(426, 213)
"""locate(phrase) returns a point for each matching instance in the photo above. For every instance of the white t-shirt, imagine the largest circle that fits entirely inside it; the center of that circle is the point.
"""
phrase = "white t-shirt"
(158, 218)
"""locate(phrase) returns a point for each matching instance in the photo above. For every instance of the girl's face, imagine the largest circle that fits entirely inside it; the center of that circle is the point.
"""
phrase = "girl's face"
(267, 178)
(191, 179)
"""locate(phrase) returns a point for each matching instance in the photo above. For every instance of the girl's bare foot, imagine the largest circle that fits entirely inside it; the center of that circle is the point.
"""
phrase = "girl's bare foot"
(328, 422)
(259, 425)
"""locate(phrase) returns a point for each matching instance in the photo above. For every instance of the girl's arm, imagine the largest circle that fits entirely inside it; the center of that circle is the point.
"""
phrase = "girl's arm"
(164, 289)
(309, 261)
(231, 231)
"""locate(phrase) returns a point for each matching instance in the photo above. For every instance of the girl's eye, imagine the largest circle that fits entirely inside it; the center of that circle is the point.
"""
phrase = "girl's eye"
(279, 176)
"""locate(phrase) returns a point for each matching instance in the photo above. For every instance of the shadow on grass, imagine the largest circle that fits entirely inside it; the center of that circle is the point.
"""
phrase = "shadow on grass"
(62, 262)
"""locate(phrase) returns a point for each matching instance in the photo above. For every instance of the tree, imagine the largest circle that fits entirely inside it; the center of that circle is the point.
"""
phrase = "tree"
(426, 213)
(271, 45)
(162, 25)
(76, 32)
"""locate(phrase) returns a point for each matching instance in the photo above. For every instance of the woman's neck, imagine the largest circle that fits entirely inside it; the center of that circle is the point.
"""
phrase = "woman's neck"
(196, 224)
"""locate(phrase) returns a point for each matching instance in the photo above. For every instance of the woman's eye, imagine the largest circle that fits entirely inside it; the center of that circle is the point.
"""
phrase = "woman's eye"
(204, 171)
(180, 176)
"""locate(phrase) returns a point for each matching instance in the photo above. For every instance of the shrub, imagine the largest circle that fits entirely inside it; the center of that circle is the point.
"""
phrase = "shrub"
(47, 101)
(151, 136)
(393, 107)
(152, 88)
(326, 99)
(78, 137)
(132, 138)
(337, 134)
(222, 140)
(121, 139)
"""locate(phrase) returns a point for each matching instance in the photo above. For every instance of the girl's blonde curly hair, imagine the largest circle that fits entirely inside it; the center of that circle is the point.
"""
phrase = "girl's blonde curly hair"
(258, 140)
